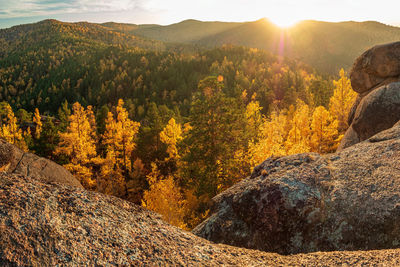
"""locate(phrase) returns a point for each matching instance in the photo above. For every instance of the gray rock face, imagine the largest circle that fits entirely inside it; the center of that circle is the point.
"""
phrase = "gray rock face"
(57, 225)
(376, 65)
(307, 202)
(14, 160)
(375, 76)
(377, 111)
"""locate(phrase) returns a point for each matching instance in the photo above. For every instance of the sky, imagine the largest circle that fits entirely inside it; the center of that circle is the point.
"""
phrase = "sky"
(281, 12)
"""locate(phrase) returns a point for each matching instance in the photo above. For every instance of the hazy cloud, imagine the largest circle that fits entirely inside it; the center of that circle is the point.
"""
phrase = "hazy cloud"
(27, 8)
(170, 11)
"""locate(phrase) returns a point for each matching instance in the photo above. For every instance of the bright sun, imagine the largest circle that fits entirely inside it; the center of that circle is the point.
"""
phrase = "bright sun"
(284, 21)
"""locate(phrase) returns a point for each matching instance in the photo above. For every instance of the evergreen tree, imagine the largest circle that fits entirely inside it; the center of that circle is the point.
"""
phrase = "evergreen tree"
(217, 124)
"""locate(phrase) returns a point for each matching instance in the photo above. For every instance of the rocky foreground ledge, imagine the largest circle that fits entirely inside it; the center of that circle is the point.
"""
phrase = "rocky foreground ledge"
(51, 224)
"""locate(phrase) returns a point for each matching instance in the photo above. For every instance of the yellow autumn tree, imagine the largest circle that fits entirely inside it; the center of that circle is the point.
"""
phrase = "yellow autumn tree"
(10, 130)
(164, 197)
(341, 101)
(178, 206)
(119, 137)
(119, 142)
(38, 123)
(78, 145)
(324, 131)
(92, 121)
(254, 117)
(271, 139)
(299, 134)
(171, 135)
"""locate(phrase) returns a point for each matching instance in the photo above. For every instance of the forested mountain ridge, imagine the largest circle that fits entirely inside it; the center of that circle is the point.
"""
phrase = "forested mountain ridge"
(50, 31)
(52, 61)
(325, 46)
(188, 31)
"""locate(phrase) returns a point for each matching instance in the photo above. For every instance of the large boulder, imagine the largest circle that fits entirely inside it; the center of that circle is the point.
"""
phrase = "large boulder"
(377, 66)
(377, 111)
(308, 202)
(57, 225)
(16, 161)
(375, 76)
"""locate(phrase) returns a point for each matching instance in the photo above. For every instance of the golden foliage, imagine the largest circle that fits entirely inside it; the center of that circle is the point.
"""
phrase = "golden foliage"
(10, 130)
(78, 144)
(324, 130)
(164, 198)
(270, 140)
(342, 101)
(171, 135)
(119, 137)
(298, 136)
(38, 123)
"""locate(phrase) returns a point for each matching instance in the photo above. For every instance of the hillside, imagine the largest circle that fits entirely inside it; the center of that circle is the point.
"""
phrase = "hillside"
(48, 32)
(188, 31)
(324, 45)
(46, 63)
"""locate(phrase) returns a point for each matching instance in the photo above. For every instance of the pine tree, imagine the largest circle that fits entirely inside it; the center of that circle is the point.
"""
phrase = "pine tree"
(63, 114)
(218, 124)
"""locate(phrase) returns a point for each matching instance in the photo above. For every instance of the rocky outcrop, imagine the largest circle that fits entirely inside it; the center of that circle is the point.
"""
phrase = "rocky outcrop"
(377, 66)
(16, 161)
(308, 202)
(375, 76)
(57, 225)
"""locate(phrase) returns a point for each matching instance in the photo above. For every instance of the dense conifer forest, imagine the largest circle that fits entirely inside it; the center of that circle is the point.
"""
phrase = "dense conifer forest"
(167, 126)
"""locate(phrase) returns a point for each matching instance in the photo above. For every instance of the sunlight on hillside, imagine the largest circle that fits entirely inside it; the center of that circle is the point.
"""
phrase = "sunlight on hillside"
(284, 21)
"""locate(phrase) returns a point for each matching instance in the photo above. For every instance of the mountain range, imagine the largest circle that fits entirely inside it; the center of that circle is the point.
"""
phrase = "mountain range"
(325, 46)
